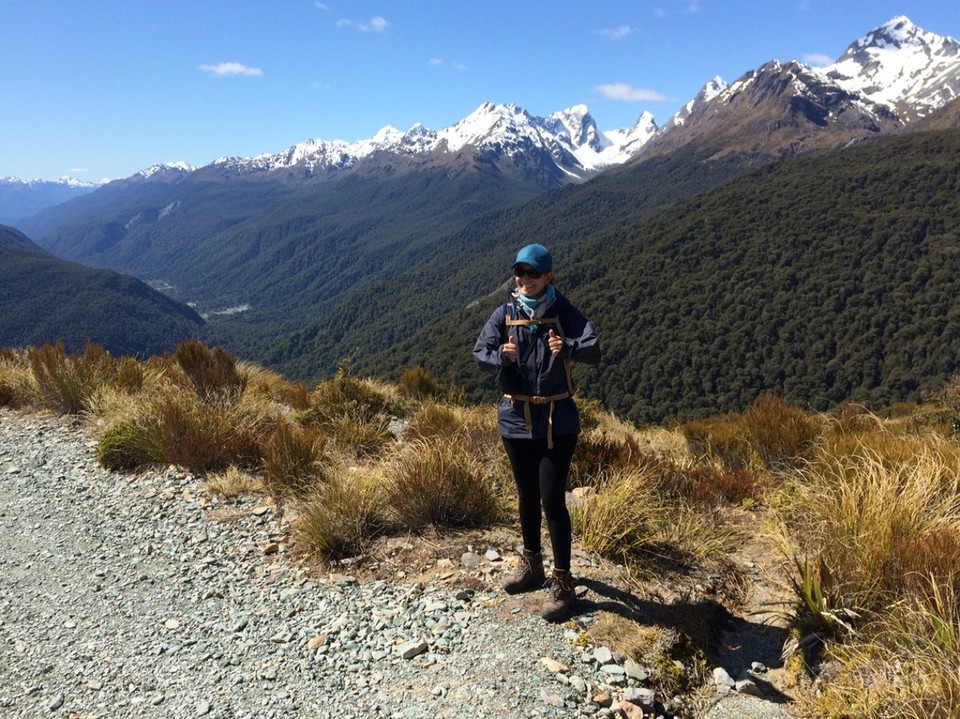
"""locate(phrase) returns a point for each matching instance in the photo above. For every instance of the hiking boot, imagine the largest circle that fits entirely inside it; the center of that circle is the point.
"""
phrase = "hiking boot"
(528, 575)
(560, 596)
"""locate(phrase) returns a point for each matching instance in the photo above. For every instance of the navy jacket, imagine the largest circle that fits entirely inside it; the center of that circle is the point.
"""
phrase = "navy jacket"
(542, 374)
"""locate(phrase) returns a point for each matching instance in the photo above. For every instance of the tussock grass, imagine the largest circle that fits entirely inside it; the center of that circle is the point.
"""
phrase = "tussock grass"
(769, 434)
(233, 482)
(176, 428)
(66, 383)
(628, 520)
(294, 458)
(17, 388)
(435, 484)
(339, 518)
(417, 383)
(907, 665)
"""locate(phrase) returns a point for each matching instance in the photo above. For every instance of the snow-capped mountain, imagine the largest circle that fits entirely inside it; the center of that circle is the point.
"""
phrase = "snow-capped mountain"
(909, 70)
(569, 137)
(890, 77)
(22, 198)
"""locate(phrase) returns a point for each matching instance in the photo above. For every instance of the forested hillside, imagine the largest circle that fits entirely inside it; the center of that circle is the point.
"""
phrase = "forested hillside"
(472, 261)
(44, 299)
(826, 278)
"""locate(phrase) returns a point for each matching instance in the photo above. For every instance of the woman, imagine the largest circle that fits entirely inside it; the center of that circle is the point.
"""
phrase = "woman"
(531, 341)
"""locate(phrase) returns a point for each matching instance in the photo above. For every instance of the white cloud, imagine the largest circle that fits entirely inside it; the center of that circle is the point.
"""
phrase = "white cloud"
(374, 24)
(628, 93)
(321, 6)
(437, 62)
(616, 33)
(817, 59)
(232, 68)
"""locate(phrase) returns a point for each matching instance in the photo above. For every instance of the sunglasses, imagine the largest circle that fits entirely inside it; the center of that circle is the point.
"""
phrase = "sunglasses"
(532, 274)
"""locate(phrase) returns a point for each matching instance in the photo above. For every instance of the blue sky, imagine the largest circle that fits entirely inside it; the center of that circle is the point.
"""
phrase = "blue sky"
(104, 88)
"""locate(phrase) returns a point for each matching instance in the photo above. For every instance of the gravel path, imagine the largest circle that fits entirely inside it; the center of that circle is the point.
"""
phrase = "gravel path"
(142, 596)
(125, 597)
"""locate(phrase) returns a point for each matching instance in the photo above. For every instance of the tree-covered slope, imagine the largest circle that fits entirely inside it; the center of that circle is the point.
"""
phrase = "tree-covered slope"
(827, 278)
(44, 299)
(466, 264)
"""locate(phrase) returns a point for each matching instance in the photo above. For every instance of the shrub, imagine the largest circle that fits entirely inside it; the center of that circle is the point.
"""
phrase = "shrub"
(293, 458)
(876, 523)
(121, 448)
(213, 373)
(339, 518)
(66, 383)
(417, 383)
(437, 484)
(779, 434)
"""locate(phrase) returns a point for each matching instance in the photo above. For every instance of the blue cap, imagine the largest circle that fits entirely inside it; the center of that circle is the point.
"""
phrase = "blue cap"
(537, 256)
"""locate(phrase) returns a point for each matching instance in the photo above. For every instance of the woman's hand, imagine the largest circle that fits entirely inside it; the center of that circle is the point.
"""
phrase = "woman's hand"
(509, 350)
(554, 342)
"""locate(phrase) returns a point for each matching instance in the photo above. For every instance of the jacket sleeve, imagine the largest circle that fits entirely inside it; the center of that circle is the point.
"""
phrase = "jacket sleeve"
(486, 351)
(581, 343)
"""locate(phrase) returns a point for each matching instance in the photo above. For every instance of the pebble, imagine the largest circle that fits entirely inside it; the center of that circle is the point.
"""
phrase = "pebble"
(143, 596)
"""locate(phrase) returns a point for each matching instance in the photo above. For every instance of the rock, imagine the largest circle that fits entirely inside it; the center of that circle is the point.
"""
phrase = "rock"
(630, 710)
(553, 665)
(551, 699)
(470, 560)
(641, 696)
(723, 681)
(635, 671)
(602, 655)
(409, 650)
(602, 699)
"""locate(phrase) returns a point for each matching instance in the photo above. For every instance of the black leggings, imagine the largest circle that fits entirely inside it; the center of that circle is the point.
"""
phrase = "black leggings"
(541, 477)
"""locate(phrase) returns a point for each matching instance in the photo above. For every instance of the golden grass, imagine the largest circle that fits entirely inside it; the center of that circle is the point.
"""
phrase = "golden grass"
(874, 520)
(629, 521)
(17, 387)
(339, 518)
(907, 665)
(233, 482)
(436, 484)
(294, 459)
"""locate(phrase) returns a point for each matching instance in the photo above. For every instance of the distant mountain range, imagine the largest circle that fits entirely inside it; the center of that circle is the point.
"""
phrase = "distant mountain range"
(20, 199)
(340, 249)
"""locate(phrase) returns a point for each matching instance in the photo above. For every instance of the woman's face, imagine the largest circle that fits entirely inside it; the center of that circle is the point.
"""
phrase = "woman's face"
(529, 282)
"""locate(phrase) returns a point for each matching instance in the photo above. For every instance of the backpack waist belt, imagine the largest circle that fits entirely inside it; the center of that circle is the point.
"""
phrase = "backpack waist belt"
(538, 399)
